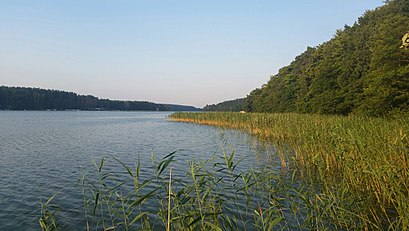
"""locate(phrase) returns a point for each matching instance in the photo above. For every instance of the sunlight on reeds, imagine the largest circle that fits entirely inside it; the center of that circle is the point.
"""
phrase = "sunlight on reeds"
(360, 163)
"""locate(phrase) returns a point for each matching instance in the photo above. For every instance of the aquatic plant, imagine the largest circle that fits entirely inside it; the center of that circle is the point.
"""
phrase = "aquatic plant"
(360, 163)
(48, 211)
(212, 195)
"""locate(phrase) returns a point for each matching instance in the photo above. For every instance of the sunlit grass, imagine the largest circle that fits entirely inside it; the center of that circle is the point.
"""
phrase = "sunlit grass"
(360, 163)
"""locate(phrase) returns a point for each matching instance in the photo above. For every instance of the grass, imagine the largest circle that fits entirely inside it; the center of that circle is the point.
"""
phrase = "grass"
(212, 195)
(360, 164)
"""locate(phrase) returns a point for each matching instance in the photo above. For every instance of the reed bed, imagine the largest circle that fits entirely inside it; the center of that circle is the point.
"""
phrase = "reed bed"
(359, 163)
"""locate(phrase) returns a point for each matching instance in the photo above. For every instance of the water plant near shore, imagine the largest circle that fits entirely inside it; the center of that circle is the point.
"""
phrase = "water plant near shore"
(360, 163)
(212, 195)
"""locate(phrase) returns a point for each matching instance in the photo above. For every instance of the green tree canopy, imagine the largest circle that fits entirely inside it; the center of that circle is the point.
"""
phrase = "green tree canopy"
(362, 69)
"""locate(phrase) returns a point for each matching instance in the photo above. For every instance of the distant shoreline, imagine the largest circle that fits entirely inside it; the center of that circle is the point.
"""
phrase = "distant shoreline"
(37, 99)
(78, 110)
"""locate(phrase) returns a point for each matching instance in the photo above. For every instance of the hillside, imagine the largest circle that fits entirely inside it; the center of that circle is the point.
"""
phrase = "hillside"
(361, 70)
(20, 98)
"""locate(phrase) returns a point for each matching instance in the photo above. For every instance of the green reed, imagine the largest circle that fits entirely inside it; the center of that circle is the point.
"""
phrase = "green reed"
(360, 163)
(211, 195)
(48, 220)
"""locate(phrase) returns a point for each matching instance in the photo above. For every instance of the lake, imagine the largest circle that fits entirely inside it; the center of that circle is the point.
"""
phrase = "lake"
(44, 152)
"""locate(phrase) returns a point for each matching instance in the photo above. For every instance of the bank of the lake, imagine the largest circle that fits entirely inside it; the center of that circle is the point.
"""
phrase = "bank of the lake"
(360, 162)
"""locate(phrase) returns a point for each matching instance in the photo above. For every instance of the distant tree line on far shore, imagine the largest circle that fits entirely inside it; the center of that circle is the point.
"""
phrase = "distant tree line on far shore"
(230, 105)
(21, 98)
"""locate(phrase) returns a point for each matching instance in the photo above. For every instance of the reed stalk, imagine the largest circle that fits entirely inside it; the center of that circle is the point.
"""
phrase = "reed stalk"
(169, 199)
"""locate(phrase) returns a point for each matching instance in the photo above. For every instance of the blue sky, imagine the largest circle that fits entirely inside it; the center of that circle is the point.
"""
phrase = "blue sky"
(166, 51)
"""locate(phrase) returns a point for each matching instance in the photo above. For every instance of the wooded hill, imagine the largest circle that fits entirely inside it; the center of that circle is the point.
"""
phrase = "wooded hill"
(361, 70)
(230, 105)
(19, 98)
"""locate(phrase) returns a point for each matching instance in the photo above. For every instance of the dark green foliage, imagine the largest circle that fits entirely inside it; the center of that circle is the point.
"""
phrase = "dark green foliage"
(19, 98)
(362, 69)
(230, 105)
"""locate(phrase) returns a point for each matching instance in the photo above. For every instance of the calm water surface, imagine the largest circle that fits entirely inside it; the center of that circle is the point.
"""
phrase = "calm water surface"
(42, 153)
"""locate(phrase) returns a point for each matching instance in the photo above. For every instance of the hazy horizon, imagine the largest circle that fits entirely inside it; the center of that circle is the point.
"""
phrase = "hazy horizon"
(175, 52)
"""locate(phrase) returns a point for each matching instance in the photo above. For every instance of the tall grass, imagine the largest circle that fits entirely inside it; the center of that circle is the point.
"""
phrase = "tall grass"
(360, 163)
(212, 195)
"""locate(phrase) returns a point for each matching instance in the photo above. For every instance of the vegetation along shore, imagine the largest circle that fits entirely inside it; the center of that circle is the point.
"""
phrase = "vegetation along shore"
(360, 162)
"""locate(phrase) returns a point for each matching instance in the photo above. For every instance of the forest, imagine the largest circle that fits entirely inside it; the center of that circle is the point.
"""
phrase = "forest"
(230, 105)
(21, 98)
(363, 69)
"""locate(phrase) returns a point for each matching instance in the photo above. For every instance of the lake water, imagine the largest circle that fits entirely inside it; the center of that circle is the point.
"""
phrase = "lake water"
(42, 153)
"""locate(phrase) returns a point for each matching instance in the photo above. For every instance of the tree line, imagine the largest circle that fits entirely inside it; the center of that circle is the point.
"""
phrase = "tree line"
(22, 98)
(361, 70)
(230, 105)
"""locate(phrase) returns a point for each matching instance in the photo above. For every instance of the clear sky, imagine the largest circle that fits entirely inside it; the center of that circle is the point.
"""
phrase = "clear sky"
(166, 51)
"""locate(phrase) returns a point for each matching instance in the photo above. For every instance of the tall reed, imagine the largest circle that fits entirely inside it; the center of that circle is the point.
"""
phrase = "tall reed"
(360, 163)
(212, 195)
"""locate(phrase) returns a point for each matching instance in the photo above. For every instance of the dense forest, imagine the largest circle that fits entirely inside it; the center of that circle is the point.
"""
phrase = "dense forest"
(230, 105)
(19, 98)
(362, 70)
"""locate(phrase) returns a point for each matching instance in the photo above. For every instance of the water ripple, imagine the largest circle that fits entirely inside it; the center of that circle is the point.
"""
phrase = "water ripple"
(42, 153)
